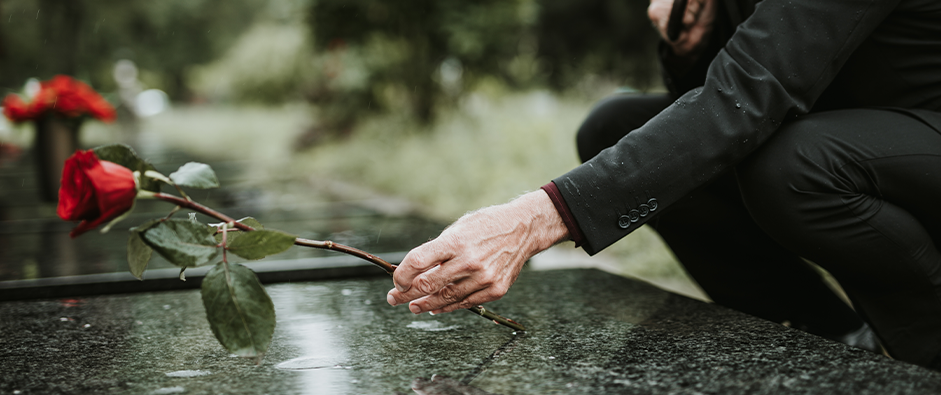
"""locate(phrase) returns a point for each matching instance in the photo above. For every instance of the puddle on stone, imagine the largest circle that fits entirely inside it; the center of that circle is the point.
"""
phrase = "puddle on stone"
(169, 390)
(188, 373)
(308, 363)
(431, 326)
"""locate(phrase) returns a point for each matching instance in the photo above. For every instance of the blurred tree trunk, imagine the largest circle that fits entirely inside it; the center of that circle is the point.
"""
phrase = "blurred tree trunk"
(3, 51)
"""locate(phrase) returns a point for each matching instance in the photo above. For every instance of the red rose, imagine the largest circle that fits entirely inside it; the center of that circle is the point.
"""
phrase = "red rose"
(94, 191)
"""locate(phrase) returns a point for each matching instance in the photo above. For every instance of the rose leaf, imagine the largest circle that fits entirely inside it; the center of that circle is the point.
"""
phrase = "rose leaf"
(261, 243)
(138, 252)
(239, 311)
(125, 156)
(182, 242)
(195, 175)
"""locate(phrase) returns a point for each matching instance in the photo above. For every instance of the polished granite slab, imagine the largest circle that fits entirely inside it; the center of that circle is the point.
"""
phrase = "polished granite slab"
(589, 332)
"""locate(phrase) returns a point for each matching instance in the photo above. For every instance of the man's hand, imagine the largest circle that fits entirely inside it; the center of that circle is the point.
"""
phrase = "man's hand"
(697, 25)
(477, 258)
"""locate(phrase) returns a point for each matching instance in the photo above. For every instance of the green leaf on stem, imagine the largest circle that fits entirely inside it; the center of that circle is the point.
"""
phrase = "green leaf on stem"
(125, 156)
(195, 175)
(261, 243)
(239, 311)
(182, 242)
(235, 232)
(138, 252)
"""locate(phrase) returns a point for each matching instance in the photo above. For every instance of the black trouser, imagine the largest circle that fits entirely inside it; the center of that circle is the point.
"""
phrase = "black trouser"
(857, 192)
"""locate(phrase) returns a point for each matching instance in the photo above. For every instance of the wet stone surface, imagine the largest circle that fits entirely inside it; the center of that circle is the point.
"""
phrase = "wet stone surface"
(589, 332)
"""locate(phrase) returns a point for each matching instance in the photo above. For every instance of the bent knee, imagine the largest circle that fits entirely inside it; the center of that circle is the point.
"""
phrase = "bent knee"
(799, 163)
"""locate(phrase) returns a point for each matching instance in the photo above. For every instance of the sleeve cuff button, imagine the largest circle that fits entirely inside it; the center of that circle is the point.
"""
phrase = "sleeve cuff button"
(634, 215)
(624, 222)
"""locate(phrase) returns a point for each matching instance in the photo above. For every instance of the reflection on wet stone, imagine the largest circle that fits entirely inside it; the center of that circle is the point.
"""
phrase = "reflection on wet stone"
(589, 332)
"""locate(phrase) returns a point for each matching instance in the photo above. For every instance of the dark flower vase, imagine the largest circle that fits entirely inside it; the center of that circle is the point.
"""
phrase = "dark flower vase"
(56, 140)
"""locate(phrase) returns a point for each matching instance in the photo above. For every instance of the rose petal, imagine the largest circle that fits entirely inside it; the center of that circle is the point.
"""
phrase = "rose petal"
(76, 193)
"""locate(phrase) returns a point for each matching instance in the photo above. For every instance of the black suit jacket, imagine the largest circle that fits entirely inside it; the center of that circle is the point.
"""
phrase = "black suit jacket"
(786, 58)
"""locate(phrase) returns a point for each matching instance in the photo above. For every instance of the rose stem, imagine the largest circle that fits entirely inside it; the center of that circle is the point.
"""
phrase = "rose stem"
(329, 245)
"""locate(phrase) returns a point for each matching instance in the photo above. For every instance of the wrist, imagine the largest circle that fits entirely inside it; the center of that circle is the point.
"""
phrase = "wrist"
(545, 225)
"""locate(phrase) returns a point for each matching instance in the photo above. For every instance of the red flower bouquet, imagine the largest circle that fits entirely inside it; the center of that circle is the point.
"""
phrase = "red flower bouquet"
(63, 96)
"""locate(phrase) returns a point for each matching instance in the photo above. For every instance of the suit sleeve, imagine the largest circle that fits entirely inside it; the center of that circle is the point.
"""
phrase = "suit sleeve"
(774, 68)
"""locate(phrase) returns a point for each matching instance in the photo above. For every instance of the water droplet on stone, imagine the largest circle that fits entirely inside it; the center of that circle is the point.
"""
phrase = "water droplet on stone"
(737, 105)
(431, 326)
(167, 390)
(307, 363)
(189, 373)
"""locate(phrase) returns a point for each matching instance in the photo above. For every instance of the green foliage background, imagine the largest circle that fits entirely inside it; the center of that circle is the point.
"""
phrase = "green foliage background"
(362, 55)
(83, 38)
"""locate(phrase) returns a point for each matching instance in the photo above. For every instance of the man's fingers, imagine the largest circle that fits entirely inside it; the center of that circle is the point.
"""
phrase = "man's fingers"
(431, 282)
(420, 260)
(448, 295)
(480, 297)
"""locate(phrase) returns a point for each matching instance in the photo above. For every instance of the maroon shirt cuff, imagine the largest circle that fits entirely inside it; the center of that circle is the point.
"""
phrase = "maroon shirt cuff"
(574, 232)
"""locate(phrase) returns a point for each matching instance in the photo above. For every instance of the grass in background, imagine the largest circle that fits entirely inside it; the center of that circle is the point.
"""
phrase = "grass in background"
(486, 152)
